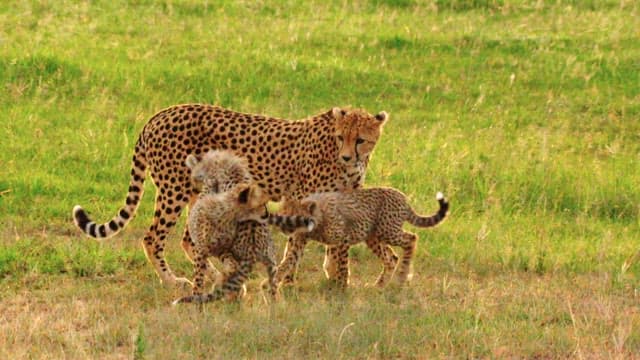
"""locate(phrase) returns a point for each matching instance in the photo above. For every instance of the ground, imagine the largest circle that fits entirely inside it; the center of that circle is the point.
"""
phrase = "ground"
(524, 113)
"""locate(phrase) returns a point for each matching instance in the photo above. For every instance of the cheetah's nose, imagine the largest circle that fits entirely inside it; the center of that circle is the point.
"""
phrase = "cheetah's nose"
(346, 158)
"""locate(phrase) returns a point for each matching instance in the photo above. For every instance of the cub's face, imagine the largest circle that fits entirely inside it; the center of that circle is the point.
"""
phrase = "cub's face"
(217, 171)
(250, 203)
(356, 134)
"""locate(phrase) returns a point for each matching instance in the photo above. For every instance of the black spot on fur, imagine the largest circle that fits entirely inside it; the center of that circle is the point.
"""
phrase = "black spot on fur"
(82, 219)
(92, 230)
(102, 230)
(113, 226)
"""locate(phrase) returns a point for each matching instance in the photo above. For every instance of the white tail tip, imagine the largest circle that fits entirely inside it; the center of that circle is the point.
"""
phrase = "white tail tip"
(311, 226)
(439, 196)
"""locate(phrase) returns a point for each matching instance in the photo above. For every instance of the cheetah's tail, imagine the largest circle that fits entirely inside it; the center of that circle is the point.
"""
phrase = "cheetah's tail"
(127, 212)
(433, 220)
(292, 223)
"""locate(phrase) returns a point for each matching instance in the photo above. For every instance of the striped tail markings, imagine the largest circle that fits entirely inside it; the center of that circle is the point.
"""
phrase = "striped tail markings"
(432, 220)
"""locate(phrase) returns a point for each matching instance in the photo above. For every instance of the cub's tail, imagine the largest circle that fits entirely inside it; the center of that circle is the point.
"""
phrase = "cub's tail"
(127, 212)
(433, 220)
(292, 223)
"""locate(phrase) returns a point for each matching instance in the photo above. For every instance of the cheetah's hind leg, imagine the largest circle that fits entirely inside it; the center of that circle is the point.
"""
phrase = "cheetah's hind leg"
(388, 257)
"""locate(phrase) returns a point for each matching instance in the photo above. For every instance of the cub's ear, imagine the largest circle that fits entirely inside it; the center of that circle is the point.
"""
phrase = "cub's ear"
(253, 195)
(338, 113)
(192, 161)
(244, 194)
(382, 116)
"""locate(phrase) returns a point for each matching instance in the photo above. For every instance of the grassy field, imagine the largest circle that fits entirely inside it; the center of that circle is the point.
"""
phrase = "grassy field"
(526, 114)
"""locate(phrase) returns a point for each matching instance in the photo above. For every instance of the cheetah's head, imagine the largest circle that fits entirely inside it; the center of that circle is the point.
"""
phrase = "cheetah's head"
(217, 171)
(357, 133)
(250, 203)
(309, 207)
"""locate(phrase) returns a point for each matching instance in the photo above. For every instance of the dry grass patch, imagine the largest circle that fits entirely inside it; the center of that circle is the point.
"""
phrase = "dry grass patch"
(454, 313)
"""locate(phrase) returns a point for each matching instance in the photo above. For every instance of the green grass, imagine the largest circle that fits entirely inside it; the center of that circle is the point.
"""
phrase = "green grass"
(524, 113)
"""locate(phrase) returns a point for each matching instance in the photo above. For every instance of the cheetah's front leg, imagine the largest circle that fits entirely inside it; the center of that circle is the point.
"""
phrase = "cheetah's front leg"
(268, 260)
(331, 260)
(200, 264)
(188, 246)
(337, 268)
(292, 255)
(229, 289)
(336, 260)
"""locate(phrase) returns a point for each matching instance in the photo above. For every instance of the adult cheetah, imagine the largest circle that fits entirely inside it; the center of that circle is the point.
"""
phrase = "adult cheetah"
(288, 159)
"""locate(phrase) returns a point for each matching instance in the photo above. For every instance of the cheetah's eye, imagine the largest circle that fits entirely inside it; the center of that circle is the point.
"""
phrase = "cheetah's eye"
(340, 138)
(359, 140)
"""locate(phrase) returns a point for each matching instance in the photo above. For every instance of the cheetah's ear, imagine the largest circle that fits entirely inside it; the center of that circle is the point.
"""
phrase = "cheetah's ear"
(244, 194)
(253, 195)
(382, 116)
(338, 113)
(257, 196)
(192, 161)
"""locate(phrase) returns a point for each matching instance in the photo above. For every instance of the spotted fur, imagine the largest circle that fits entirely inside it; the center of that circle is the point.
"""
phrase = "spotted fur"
(287, 159)
(253, 243)
(213, 222)
(218, 171)
(228, 221)
(372, 215)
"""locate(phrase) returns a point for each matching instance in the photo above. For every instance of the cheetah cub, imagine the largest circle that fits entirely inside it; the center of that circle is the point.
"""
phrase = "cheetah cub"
(230, 225)
(213, 172)
(217, 171)
(372, 215)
